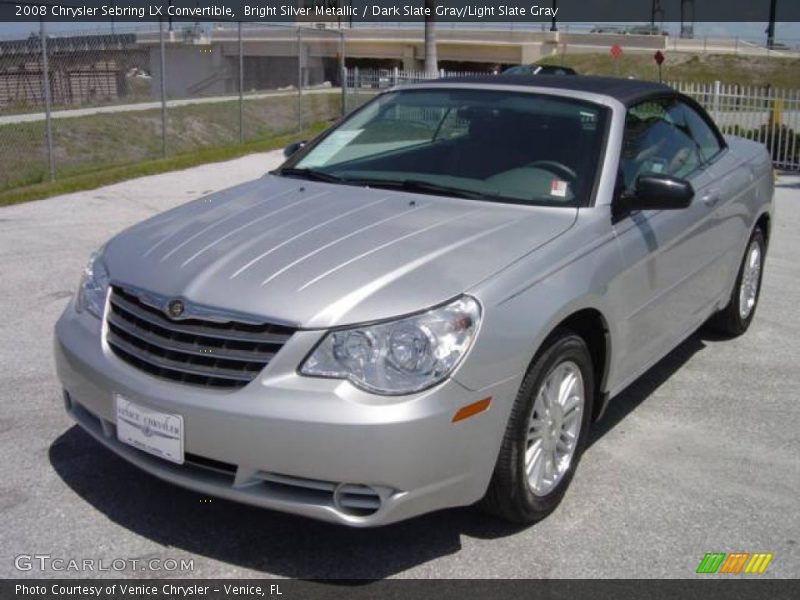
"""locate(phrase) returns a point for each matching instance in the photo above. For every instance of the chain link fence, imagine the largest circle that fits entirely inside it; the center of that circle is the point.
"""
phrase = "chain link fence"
(71, 104)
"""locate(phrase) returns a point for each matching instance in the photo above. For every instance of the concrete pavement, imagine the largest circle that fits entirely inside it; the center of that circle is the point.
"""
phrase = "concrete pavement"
(701, 454)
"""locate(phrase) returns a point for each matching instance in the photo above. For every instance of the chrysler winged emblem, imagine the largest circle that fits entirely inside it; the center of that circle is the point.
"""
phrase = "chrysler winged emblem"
(175, 308)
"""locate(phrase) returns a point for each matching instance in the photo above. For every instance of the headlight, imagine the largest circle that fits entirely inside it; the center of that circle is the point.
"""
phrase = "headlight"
(401, 356)
(93, 287)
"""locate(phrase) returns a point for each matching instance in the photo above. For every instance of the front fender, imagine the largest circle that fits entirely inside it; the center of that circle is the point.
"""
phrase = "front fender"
(523, 304)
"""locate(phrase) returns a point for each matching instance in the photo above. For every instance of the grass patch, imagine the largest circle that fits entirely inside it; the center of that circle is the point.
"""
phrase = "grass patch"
(85, 146)
(101, 177)
(778, 72)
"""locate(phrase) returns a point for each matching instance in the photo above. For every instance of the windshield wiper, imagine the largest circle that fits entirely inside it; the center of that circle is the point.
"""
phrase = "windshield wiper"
(409, 185)
(428, 187)
(311, 174)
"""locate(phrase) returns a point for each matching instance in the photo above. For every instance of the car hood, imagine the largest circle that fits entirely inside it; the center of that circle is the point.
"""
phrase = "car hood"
(318, 255)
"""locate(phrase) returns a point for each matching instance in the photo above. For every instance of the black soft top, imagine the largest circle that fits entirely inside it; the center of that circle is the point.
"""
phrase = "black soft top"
(627, 91)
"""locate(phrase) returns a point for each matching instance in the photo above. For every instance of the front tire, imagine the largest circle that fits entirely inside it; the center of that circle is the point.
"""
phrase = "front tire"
(546, 433)
(736, 317)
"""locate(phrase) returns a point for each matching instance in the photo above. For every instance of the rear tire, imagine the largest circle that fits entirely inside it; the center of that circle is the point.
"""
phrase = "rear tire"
(736, 317)
(543, 421)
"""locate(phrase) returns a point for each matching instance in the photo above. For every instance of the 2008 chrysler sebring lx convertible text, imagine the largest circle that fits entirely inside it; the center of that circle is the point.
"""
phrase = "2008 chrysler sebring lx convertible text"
(427, 305)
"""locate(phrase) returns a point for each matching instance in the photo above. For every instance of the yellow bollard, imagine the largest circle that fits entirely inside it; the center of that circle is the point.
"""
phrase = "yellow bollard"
(776, 115)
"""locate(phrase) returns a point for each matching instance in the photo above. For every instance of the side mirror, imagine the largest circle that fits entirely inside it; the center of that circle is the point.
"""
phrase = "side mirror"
(293, 147)
(656, 192)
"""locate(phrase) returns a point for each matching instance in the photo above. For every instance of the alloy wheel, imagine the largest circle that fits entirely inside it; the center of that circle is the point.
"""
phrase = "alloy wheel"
(751, 275)
(554, 426)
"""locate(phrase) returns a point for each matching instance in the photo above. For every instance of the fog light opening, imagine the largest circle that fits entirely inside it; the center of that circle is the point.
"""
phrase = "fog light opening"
(356, 500)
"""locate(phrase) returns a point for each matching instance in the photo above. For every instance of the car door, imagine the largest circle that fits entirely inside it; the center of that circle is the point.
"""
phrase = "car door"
(671, 276)
(735, 190)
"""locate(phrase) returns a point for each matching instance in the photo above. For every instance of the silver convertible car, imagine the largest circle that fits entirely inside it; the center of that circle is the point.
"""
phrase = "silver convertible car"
(424, 307)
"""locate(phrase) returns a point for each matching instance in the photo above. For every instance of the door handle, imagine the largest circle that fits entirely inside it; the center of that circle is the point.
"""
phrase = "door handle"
(710, 198)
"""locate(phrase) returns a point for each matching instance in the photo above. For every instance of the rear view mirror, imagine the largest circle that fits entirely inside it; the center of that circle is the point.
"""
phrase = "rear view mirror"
(293, 147)
(656, 192)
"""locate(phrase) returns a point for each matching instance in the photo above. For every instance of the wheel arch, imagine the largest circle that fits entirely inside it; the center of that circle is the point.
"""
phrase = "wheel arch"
(764, 223)
(592, 326)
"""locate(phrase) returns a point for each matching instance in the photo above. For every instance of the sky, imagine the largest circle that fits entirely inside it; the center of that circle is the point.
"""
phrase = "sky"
(752, 31)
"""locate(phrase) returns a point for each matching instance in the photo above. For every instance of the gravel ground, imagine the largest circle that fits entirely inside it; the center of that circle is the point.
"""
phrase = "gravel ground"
(701, 454)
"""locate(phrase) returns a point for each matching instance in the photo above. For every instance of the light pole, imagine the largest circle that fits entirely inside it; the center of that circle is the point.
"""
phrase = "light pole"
(687, 19)
(553, 25)
(773, 7)
(656, 10)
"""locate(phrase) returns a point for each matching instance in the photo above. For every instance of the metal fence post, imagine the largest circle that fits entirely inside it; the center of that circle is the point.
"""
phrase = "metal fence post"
(345, 85)
(163, 89)
(772, 124)
(356, 84)
(51, 161)
(300, 79)
(241, 86)
(715, 101)
(342, 72)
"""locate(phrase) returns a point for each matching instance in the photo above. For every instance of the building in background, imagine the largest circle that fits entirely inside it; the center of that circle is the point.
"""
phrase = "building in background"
(85, 69)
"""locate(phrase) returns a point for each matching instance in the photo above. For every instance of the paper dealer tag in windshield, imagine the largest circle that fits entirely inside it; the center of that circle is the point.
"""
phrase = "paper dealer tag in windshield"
(558, 188)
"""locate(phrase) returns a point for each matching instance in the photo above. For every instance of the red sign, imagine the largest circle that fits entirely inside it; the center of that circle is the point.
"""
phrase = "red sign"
(658, 57)
(616, 51)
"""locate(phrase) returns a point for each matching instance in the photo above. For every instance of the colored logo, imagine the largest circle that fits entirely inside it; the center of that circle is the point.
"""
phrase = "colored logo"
(734, 563)
(175, 309)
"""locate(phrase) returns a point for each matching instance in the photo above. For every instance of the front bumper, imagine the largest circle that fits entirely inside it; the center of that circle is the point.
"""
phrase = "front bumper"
(314, 447)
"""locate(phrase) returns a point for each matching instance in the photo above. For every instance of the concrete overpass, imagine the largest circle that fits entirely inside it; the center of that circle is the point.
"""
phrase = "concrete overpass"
(205, 62)
(201, 62)
(483, 46)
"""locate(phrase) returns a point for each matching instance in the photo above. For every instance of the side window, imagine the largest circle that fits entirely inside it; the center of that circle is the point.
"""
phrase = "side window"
(518, 70)
(657, 139)
(703, 135)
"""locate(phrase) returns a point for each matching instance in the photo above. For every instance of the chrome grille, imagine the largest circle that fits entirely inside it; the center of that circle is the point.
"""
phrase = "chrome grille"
(196, 351)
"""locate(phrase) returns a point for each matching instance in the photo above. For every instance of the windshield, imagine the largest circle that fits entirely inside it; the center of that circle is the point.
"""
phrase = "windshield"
(497, 145)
